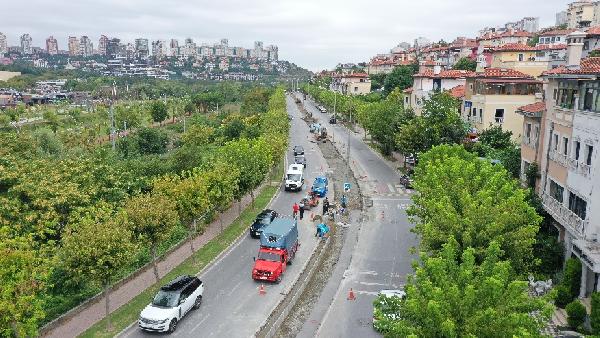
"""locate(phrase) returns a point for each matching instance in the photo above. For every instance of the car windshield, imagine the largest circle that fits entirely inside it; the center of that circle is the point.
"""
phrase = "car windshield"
(166, 299)
(299, 159)
(264, 219)
(299, 149)
(293, 177)
(268, 256)
(319, 184)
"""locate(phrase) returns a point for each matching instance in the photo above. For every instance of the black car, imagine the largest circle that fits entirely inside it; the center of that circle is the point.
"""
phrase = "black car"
(300, 160)
(332, 120)
(298, 150)
(262, 220)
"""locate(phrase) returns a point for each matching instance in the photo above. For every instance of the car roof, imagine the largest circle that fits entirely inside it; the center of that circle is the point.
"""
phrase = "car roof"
(265, 212)
(393, 293)
(178, 283)
(298, 147)
(299, 172)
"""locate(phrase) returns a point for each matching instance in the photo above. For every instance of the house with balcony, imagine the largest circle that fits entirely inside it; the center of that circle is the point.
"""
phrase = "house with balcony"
(429, 81)
(533, 132)
(569, 162)
(351, 84)
(493, 39)
(555, 36)
(492, 97)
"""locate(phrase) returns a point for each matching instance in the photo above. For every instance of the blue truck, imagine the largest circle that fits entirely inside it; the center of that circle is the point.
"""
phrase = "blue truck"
(278, 247)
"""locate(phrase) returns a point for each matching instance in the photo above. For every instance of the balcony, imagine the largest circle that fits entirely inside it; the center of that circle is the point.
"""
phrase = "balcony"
(499, 120)
(579, 168)
(530, 142)
(559, 158)
(564, 216)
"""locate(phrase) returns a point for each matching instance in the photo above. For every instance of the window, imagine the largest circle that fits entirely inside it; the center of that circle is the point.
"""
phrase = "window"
(474, 111)
(528, 132)
(536, 132)
(555, 142)
(480, 112)
(577, 146)
(589, 150)
(565, 145)
(566, 94)
(577, 205)
(556, 191)
(355, 89)
(558, 39)
(499, 117)
(521, 57)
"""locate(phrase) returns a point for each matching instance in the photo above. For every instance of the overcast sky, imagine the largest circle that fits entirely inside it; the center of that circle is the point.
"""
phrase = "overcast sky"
(315, 34)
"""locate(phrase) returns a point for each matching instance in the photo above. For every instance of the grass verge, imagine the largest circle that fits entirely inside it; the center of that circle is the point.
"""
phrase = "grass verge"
(128, 313)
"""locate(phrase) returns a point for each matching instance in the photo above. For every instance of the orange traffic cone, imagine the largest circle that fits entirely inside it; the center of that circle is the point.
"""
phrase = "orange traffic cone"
(351, 295)
(261, 290)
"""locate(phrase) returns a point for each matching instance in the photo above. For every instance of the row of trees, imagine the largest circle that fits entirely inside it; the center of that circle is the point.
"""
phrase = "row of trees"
(72, 225)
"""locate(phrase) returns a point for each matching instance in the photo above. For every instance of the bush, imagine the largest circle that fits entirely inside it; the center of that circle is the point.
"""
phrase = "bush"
(563, 296)
(572, 279)
(595, 315)
(576, 312)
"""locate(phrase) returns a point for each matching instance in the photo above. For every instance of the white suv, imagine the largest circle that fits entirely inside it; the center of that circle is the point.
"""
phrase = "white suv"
(171, 303)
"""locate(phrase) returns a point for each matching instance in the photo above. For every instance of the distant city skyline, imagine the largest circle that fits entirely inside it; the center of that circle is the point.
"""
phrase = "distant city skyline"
(313, 34)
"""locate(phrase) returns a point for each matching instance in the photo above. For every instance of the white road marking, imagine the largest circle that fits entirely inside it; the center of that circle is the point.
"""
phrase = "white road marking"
(199, 323)
(235, 287)
(391, 187)
(370, 293)
(372, 284)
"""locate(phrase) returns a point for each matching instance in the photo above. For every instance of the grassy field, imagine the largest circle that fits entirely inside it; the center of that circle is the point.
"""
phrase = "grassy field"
(129, 312)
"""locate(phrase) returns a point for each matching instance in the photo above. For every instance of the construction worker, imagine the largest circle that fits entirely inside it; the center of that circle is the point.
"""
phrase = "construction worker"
(301, 209)
(295, 209)
(325, 206)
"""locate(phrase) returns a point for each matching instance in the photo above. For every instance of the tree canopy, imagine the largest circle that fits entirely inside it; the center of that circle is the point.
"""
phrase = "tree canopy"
(465, 63)
(454, 295)
(401, 77)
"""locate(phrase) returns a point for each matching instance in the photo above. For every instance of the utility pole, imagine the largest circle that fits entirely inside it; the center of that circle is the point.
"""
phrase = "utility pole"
(334, 104)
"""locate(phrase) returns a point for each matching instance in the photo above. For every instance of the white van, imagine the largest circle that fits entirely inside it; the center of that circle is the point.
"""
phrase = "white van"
(294, 180)
(296, 167)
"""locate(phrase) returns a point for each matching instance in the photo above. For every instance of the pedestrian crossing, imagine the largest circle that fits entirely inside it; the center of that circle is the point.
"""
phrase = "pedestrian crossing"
(388, 190)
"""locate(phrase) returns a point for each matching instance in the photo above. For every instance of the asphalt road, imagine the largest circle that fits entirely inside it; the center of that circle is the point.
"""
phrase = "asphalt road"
(232, 306)
(380, 258)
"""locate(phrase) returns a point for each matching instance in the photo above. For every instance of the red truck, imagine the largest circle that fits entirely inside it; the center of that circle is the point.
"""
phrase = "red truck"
(278, 246)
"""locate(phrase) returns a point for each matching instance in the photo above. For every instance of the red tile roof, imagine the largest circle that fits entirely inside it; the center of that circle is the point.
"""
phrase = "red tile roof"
(593, 30)
(408, 90)
(538, 107)
(514, 47)
(446, 74)
(551, 47)
(503, 73)
(491, 36)
(588, 66)
(458, 92)
(556, 32)
(356, 75)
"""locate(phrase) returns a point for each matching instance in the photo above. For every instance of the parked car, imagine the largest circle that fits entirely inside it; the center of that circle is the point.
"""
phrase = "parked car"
(322, 109)
(262, 220)
(332, 120)
(172, 302)
(320, 186)
(410, 159)
(298, 150)
(300, 160)
(385, 307)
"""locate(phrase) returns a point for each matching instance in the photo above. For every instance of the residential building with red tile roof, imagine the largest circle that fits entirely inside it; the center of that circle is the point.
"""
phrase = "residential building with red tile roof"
(430, 80)
(562, 137)
(351, 84)
(507, 37)
(493, 96)
(533, 61)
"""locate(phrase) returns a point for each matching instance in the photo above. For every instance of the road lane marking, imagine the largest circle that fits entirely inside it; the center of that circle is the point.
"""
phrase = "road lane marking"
(391, 187)
(199, 323)
(370, 293)
(235, 287)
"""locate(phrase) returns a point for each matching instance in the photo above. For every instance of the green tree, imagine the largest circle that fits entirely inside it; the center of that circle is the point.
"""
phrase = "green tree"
(465, 63)
(381, 120)
(97, 247)
(23, 276)
(496, 138)
(439, 123)
(377, 81)
(152, 141)
(595, 315)
(483, 204)
(159, 112)
(52, 120)
(401, 77)
(451, 295)
(152, 218)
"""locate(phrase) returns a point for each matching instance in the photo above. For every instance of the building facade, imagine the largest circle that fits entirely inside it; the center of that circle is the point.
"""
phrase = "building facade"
(429, 81)
(73, 45)
(26, 47)
(351, 84)
(51, 46)
(102, 44)
(86, 47)
(142, 50)
(580, 14)
(493, 97)
(3, 44)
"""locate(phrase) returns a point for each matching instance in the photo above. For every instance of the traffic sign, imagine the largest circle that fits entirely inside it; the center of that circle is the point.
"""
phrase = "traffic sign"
(346, 187)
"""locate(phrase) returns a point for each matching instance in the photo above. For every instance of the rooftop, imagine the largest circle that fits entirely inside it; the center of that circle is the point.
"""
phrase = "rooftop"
(503, 73)
(556, 32)
(446, 74)
(458, 92)
(532, 110)
(588, 66)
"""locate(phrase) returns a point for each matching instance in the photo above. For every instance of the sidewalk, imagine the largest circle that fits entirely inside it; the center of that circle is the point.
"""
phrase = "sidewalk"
(83, 317)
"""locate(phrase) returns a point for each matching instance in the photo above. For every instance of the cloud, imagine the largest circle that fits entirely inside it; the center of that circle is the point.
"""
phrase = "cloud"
(312, 33)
